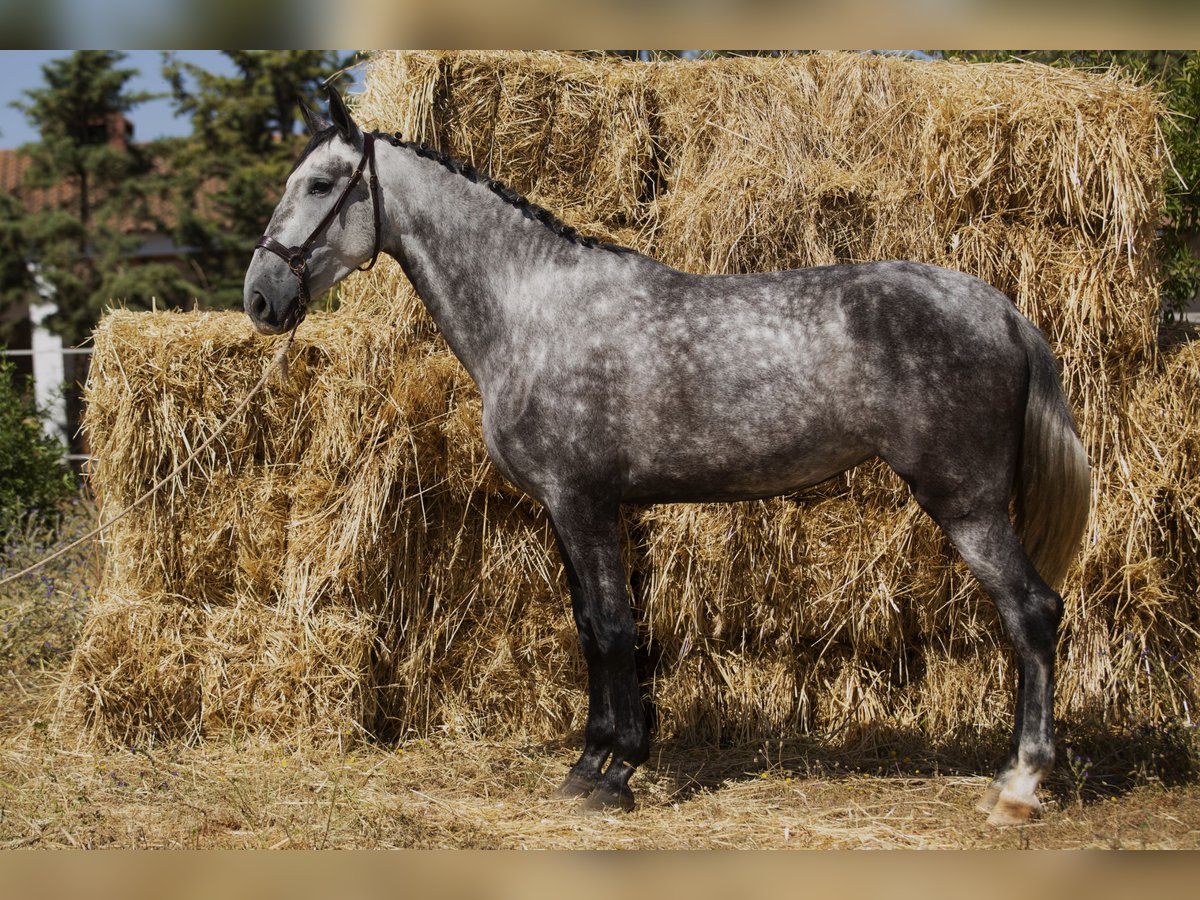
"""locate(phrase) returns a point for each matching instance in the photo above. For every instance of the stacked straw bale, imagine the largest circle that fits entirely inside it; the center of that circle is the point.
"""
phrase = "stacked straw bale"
(346, 560)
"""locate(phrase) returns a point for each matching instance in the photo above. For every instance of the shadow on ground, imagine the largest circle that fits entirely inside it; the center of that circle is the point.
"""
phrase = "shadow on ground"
(1095, 761)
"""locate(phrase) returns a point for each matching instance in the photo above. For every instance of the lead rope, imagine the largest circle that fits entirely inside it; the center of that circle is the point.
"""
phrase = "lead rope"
(280, 362)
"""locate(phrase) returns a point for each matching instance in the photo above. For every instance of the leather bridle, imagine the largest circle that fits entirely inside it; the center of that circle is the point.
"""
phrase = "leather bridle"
(297, 257)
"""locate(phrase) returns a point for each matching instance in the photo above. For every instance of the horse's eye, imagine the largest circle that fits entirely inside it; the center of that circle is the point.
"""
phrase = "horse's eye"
(321, 188)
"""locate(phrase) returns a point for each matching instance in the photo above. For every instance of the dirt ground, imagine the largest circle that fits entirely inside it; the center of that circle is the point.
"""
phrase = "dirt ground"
(477, 794)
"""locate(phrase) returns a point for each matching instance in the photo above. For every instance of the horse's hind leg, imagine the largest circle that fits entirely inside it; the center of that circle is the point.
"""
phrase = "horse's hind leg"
(1031, 612)
(616, 730)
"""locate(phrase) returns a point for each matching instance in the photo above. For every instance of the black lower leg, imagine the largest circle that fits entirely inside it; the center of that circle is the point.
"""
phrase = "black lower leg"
(631, 740)
(583, 776)
(617, 730)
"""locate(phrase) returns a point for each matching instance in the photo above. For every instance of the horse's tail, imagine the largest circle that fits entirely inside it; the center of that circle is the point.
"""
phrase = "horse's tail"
(1053, 487)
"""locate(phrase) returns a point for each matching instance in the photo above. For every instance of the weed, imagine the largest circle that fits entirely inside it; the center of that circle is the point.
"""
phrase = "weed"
(41, 614)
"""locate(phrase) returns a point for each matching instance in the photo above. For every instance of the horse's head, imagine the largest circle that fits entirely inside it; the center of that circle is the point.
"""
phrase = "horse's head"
(325, 226)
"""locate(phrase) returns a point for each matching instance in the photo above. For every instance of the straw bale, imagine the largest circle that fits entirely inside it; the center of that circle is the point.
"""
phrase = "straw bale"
(758, 164)
(346, 560)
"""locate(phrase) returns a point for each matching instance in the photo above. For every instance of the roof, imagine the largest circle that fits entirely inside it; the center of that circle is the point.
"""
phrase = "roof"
(13, 164)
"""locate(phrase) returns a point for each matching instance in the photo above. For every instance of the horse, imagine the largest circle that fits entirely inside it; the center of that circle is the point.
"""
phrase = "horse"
(609, 378)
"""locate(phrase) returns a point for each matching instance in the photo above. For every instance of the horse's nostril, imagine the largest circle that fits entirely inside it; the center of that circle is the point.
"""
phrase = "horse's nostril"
(259, 308)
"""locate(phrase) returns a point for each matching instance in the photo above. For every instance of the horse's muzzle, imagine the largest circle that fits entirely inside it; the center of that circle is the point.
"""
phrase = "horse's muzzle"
(264, 319)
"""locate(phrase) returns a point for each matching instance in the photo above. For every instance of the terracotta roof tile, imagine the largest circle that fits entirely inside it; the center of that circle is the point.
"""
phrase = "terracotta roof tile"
(14, 163)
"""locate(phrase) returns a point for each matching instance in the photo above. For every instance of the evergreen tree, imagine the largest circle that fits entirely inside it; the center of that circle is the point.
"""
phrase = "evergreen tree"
(1181, 268)
(33, 478)
(15, 278)
(246, 132)
(83, 241)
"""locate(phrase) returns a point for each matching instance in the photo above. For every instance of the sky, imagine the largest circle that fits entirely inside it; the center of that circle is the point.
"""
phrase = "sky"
(21, 70)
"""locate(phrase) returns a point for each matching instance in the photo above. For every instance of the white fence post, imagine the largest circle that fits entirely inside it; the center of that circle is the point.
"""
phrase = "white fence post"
(49, 375)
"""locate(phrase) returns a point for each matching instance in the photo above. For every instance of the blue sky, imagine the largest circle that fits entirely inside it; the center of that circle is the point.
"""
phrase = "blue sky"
(21, 70)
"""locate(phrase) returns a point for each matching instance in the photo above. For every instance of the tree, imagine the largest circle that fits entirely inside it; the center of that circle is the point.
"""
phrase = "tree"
(246, 131)
(15, 278)
(1181, 269)
(82, 241)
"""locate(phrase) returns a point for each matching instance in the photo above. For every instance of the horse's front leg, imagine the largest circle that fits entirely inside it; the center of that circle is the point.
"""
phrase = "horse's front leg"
(601, 726)
(616, 730)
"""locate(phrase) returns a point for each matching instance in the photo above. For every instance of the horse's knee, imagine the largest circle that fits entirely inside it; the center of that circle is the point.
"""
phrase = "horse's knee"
(587, 637)
(614, 640)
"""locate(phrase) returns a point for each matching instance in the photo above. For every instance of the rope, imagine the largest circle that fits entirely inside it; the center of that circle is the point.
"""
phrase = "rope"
(279, 361)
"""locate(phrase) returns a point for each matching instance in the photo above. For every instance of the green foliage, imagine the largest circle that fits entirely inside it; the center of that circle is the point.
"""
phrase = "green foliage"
(228, 175)
(212, 191)
(1181, 275)
(15, 279)
(83, 244)
(33, 480)
(81, 89)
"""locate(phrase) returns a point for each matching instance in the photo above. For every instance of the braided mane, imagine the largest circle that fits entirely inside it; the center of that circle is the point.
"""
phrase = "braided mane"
(527, 207)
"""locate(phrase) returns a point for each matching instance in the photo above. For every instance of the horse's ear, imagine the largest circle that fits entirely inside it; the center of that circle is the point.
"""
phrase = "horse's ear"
(313, 120)
(341, 118)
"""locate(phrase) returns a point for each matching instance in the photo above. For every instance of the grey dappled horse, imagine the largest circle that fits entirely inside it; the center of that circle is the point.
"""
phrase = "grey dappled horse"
(610, 378)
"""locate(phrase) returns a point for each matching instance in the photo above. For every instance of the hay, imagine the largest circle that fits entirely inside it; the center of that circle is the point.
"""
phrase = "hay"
(346, 561)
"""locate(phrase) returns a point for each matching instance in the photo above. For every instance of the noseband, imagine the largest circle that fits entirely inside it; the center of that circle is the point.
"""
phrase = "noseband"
(297, 257)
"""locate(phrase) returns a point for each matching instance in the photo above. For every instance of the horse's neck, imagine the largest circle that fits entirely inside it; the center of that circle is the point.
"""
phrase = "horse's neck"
(470, 255)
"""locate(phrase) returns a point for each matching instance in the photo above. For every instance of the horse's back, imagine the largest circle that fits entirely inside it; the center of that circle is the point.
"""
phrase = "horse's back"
(855, 356)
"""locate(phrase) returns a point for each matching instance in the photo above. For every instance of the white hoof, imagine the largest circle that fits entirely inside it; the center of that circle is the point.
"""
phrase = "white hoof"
(988, 801)
(1013, 811)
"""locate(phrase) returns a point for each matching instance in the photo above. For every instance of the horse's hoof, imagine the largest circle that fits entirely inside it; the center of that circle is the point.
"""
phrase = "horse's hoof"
(1008, 811)
(604, 799)
(988, 801)
(575, 786)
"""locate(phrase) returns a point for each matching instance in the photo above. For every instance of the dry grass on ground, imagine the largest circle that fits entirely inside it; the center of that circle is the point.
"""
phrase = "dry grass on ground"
(876, 788)
(459, 794)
